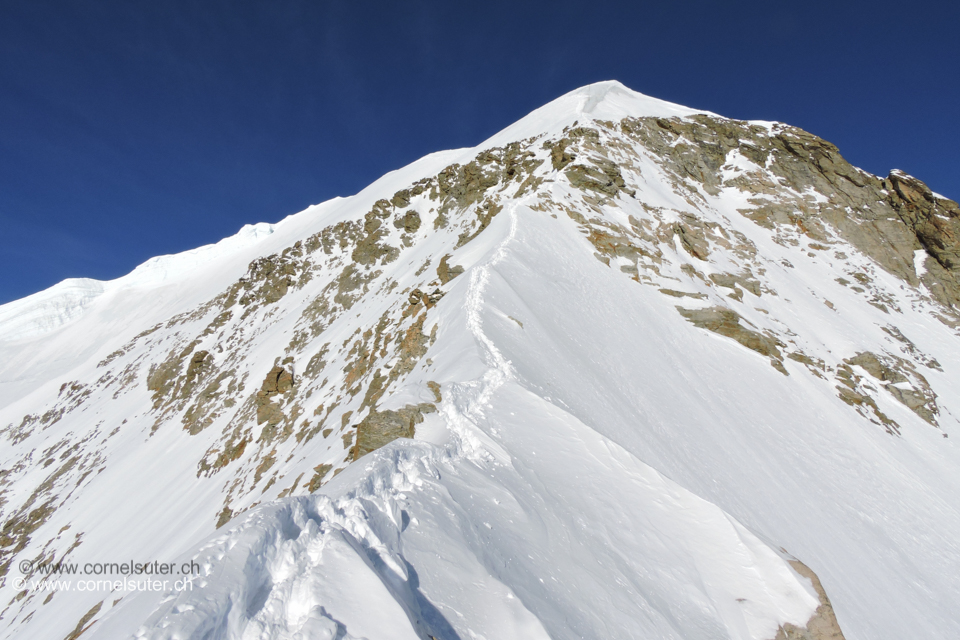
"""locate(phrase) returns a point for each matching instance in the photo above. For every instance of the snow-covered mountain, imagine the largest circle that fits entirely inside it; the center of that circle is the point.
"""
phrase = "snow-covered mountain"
(624, 370)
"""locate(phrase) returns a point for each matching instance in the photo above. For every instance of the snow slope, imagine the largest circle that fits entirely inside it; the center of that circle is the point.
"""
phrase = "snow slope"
(596, 465)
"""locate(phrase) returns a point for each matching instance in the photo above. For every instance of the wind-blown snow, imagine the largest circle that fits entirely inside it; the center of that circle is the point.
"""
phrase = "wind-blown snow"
(609, 100)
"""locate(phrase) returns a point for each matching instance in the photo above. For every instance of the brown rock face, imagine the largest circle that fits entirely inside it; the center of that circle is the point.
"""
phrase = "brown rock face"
(447, 272)
(726, 322)
(888, 219)
(893, 370)
(382, 427)
(195, 370)
(936, 221)
(410, 222)
(604, 178)
(823, 624)
(693, 240)
(269, 278)
(278, 381)
(319, 472)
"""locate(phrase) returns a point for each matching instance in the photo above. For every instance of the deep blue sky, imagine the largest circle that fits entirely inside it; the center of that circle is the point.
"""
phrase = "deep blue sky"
(132, 129)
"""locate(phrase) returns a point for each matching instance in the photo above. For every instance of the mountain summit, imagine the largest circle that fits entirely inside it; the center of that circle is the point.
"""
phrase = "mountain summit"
(626, 369)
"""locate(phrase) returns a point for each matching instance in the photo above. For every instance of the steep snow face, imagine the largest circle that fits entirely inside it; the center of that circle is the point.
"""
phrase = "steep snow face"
(45, 311)
(62, 303)
(610, 101)
(624, 370)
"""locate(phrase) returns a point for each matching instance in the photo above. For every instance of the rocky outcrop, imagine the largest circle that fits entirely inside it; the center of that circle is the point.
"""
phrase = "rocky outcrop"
(462, 185)
(319, 473)
(278, 381)
(382, 427)
(194, 381)
(372, 247)
(936, 223)
(199, 361)
(735, 282)
(823, 623)
(692, 240)
(268, 279)
(409, 222)
(603, 176)
(428, 300)
(902, 381)
(887, 219)
(726, 322)
(447, 272)
(935, 220)
(852, 392)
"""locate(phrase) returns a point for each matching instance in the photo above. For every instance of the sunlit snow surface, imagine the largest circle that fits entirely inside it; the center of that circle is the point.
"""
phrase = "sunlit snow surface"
(62, 303)
(605, 470)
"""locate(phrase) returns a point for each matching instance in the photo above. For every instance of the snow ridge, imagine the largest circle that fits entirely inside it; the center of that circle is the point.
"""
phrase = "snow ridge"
(500, 371)
(67, 301)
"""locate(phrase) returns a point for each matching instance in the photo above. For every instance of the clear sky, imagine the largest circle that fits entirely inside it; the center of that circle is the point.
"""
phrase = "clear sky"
(136, 128)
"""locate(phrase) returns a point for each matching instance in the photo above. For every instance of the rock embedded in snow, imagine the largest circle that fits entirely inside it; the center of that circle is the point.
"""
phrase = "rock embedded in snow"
(823, 624)
(383, 427)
